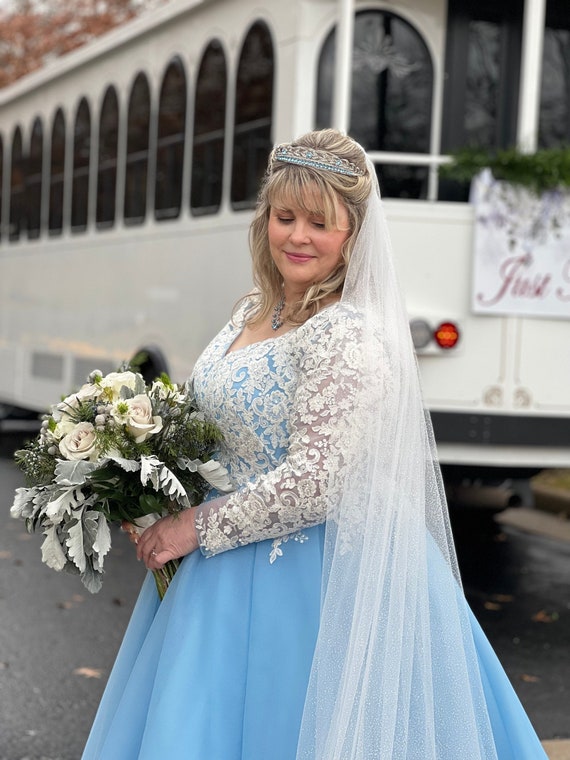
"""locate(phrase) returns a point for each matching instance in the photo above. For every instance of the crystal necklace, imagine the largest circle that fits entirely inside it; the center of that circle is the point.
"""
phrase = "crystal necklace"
(276, 321)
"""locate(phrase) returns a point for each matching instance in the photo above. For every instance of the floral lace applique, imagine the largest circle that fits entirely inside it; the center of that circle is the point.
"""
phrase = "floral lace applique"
(280, 404)
(277, 551)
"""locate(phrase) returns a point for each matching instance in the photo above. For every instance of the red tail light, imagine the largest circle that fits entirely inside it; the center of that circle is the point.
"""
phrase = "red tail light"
(446, 335)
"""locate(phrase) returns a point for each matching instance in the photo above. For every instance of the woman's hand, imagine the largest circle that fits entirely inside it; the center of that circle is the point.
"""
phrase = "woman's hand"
(169, 538)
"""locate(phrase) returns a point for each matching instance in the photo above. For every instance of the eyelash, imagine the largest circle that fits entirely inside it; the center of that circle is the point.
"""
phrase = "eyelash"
(286, 220)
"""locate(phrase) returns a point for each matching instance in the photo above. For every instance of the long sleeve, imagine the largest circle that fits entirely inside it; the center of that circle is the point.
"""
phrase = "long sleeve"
(294, 494)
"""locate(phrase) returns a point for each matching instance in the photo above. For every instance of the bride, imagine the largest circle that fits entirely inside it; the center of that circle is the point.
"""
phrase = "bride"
(318, 612)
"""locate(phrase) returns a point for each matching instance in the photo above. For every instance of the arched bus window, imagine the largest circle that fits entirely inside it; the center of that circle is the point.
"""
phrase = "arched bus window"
(554, 119)
(56, 175)
(253, 110)
(34, 180)
(136, 170)
(392, 87)
(81, 158)
(17, 186)
(209, 131)
(107, 160)
(170, 142)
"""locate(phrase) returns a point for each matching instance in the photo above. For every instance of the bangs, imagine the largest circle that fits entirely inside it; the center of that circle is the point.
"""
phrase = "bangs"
(300, 188)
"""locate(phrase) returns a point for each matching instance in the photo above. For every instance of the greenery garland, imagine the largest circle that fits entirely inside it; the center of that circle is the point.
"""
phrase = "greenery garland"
(546, 169)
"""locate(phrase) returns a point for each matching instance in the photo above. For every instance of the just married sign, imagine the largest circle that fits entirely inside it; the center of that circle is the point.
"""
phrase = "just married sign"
(521, 261)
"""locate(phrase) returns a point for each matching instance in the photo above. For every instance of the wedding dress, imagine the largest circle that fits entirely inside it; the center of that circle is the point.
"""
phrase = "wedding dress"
(219, 670)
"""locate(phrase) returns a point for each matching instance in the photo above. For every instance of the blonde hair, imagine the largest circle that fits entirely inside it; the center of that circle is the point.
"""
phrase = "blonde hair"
(305, 186)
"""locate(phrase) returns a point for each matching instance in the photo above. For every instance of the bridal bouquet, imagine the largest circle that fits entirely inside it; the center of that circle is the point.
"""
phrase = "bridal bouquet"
(115, 450)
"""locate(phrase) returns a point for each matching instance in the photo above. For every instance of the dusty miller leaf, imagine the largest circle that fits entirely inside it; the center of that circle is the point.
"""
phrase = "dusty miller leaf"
(74, 542)
(129, 465)
(52, 551)
(73, 473)
(23, 505)
(150, 467)
(66, 502)
(91, 579)
(102, 543)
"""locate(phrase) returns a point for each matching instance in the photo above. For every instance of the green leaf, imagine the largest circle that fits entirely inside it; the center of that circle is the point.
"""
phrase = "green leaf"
(544, 170)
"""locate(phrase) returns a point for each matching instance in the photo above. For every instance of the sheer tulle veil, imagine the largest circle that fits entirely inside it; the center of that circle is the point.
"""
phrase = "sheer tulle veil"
(395, 674)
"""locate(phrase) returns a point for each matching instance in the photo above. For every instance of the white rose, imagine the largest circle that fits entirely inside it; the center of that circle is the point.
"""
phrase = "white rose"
(114, 381)
(80, 442)
(139, 422)
(65, 426)
(88, 392)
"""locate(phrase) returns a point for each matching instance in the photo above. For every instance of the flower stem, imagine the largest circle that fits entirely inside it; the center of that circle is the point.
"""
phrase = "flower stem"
(164, 576)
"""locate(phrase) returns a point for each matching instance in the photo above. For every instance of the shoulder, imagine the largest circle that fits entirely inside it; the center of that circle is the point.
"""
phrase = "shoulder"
(332, 335)
(244, 308)
(337, 320)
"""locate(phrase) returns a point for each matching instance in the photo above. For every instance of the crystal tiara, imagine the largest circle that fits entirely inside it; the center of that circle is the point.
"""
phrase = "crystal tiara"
(316, 159)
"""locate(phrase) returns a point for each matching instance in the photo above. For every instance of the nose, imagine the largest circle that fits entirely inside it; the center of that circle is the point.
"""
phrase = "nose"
(299, 232)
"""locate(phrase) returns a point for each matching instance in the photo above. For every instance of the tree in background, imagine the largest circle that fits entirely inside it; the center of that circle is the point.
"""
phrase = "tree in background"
(34, 32)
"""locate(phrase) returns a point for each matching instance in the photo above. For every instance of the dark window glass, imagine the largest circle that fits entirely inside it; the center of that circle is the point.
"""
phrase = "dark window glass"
(34, 180)
(253, 110)
(107, 161)
(136, 170)
(392, 85)
(17, 186)
(392, 82)
(482, 71)
(554, 121)
(1, 179)
(81, 157)
(170, 142)
(56, 176)
(209, 131)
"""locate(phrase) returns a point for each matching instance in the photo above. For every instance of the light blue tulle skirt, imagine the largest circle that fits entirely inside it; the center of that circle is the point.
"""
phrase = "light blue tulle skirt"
(218, 670)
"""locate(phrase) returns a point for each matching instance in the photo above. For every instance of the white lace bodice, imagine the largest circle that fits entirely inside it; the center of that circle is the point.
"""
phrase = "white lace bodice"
(278, 403)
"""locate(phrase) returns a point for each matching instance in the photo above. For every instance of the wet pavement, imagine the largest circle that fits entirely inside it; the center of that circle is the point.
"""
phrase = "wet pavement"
(58, 642)
(517, 584)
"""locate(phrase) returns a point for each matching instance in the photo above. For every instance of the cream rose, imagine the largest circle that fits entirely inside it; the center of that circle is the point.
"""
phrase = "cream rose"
(80, 442)
(87, 392)
(65, 426)
(139, 420)
(114, 381)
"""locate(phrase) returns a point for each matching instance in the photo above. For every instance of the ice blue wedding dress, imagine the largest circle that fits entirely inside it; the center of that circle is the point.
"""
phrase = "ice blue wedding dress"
(219, 669)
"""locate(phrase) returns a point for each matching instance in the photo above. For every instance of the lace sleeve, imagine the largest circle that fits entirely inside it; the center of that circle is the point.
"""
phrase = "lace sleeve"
(294, 495)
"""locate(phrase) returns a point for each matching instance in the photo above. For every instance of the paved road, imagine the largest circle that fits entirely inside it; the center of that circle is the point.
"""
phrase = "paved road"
(58, 642)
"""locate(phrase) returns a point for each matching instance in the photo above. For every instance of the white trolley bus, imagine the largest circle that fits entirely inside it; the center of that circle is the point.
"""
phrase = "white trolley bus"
(128, 171)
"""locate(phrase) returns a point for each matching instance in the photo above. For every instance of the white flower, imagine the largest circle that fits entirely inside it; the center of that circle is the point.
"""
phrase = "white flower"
(65, 426)
(80, 442)
(165, 391)
(114, 381)
(139, 419)
(87, 392)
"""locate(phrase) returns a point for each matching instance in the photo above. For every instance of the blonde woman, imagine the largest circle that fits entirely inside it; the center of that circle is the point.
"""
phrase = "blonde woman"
(318, 613)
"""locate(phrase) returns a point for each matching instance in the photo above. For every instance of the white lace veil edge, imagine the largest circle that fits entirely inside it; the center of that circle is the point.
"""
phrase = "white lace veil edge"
(395, 674)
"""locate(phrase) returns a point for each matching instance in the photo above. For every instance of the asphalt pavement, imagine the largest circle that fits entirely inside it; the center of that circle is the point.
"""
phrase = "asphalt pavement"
(58, 642)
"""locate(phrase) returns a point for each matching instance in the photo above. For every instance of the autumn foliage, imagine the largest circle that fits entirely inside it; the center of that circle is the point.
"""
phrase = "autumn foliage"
(33, 33)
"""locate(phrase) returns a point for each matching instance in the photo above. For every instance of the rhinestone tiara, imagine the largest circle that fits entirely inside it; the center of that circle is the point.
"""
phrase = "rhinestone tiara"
(316, 159)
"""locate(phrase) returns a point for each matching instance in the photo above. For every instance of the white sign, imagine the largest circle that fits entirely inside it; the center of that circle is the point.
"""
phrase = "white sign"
(521, 262)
